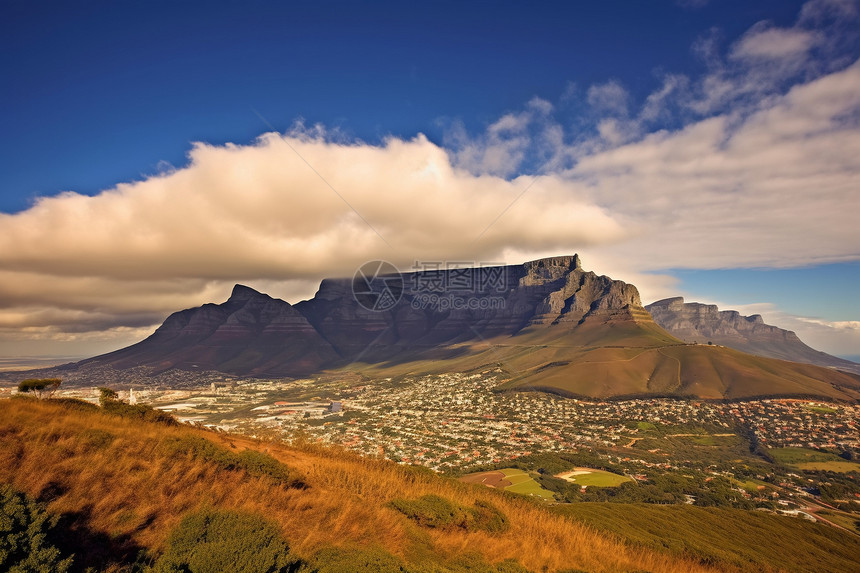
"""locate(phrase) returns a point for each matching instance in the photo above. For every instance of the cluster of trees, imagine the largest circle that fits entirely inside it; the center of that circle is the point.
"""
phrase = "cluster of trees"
(839, 489)
(666, 488)
(110, 403)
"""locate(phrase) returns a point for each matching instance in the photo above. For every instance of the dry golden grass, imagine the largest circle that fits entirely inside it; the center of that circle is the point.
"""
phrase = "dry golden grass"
(131, 490)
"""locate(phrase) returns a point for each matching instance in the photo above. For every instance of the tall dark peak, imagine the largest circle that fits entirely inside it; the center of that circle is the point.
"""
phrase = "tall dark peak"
(249, 334)
(696, 322)
(243, 293)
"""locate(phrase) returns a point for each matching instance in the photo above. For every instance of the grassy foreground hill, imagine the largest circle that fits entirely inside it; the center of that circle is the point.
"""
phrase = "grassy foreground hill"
(129, 490)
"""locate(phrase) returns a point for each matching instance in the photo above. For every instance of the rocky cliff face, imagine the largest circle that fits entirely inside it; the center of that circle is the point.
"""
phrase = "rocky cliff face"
(695, 322)
(450, 306)
(252, 333)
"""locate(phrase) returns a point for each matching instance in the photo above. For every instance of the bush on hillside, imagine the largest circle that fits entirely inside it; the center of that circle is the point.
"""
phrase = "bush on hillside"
(25, 532)
(489, 518)
(252, 462)
(212, 541)
(439, 513)
(335, 560)
(468, 563)
(75, 404)
(111, 404)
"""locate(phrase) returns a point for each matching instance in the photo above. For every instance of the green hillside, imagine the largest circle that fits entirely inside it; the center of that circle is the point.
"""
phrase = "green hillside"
(752, 541)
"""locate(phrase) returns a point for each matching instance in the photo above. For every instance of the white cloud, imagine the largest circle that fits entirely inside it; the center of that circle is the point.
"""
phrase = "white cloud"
(776, 188)
(768, 43)
(815, 12)
(609, 97)
(258, 213)
(767, 57)
(657, 104)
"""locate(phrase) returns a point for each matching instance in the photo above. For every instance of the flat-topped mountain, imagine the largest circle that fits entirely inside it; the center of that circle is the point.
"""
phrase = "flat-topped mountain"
(545, 324)
(696, 322)
(254, 334)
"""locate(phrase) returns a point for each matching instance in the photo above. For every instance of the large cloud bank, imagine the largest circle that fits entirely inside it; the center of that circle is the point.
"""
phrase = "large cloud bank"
(754, 163)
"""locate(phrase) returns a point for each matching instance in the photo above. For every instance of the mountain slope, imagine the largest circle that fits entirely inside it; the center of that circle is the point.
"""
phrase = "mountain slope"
(695, 322)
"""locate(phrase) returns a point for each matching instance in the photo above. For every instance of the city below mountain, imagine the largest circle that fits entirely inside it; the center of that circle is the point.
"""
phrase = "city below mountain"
(547, 324)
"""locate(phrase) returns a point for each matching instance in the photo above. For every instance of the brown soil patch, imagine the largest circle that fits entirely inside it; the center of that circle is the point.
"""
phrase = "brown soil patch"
(489, 479)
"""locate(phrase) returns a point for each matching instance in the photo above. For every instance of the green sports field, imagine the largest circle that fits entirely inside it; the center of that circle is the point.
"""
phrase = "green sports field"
(590, 477)
(522, 482)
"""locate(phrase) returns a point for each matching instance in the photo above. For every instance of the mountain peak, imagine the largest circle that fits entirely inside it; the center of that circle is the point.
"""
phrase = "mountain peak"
(671, 301)
(550, 269)
(242, 293)
(696, 322)
(566, 262)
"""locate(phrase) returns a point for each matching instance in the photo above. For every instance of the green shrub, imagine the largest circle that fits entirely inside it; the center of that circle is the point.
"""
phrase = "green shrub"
(75, 404)
(225, 541)
(263, 465)
(111, 404)
(375, 560)
(252, 462)
(200, 448)
(139, 412)
(25, 532)
(433, 511)
(468, 563)
(489, 518)
(439, 513)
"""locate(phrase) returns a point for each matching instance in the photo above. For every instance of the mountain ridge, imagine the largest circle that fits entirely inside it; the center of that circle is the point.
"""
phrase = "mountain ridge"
(240, 335)
(697, 322)
(547, 324)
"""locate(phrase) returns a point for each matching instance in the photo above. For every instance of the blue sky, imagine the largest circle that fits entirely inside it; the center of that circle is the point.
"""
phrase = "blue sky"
(108, 90)
(574, 102)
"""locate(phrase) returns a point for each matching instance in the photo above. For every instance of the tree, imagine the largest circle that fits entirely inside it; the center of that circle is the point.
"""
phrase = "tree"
(107, 395)
(39, 385)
